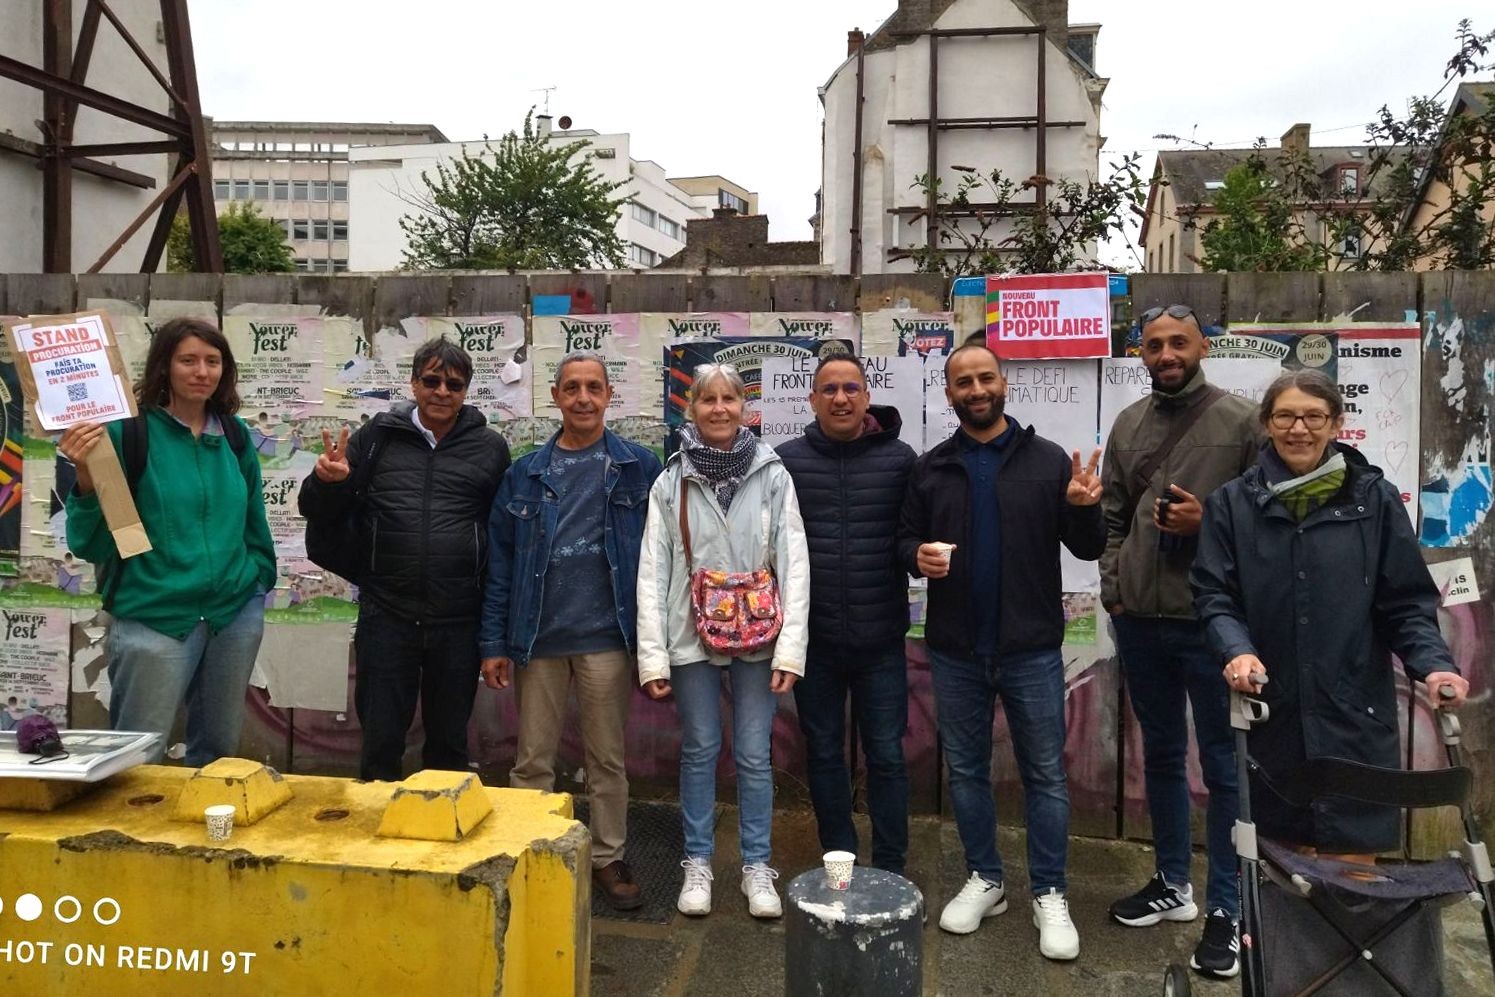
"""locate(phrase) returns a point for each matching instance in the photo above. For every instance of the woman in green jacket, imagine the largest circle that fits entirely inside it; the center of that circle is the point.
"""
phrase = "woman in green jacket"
(187, 615)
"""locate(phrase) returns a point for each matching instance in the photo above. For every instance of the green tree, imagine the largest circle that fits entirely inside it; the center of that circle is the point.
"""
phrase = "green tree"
(992, 224)
(251, 243)
(523, 205)
(1259, 226)
(1390, 213)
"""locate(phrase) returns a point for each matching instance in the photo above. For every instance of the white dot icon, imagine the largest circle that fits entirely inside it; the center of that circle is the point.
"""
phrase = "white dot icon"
(28, 907)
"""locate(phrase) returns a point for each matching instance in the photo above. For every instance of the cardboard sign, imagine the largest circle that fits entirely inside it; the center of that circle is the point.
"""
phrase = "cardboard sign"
(1049, 316)
(71, 371)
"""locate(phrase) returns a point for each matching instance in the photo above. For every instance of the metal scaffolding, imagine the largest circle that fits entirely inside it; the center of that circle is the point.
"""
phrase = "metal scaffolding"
(61, 78)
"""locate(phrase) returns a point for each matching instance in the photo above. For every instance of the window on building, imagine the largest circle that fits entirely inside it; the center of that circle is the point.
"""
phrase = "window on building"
(301, 229)
(669, 228)
(319, 190)
(1170, 254)
(321, 230)
(241, 190)
(221, 190)
(262, 190)
(727, 199)
(301, 266)
(642, 214)
(1349, 180)
(339, 266)
(300, 190)
(642, 255)
(339, 190)
(280, 190)
(340, 231)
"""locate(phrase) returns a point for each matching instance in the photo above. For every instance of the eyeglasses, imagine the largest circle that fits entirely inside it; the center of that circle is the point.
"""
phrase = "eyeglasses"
(453, 384)
(1312, 421)
(850, 389)
(1172, 311)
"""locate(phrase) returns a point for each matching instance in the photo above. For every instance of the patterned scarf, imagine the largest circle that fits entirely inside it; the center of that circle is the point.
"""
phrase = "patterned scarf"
(722, 469)
(1304, 493)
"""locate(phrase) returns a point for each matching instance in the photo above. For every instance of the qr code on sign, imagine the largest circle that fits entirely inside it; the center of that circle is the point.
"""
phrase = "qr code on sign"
(77, 392)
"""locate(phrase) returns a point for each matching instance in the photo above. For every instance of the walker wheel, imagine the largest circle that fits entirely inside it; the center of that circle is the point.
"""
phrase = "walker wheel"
(1176, 981)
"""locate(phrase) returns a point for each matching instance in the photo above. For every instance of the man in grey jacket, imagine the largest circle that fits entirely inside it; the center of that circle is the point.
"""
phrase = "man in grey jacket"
(1151, 536)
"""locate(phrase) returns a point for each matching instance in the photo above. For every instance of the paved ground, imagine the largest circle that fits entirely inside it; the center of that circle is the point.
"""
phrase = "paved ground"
(730, 953)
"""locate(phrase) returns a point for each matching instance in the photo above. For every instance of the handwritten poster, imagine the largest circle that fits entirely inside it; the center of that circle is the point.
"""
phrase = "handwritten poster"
(784, 404)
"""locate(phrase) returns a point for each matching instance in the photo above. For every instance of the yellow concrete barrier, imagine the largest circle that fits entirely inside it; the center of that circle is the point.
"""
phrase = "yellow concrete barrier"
(109, 895)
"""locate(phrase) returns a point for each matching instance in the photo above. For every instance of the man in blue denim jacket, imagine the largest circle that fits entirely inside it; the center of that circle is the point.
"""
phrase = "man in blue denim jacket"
(559, 603)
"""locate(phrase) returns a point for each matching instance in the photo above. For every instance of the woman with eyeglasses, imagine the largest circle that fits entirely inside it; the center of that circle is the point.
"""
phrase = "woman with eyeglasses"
(188, 614)
(742, 515)
(1308, 573)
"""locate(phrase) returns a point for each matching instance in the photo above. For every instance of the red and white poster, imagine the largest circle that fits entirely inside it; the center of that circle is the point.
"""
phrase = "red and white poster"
(1049, 316)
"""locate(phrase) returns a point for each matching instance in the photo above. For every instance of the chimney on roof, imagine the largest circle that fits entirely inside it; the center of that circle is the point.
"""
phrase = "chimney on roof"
(1295, 139)
(542, 125)
(855, 39)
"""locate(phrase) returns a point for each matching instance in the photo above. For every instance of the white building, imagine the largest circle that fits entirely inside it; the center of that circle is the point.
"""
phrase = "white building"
(987, 102)
(102, 205)
(296, 172)
(382, 180)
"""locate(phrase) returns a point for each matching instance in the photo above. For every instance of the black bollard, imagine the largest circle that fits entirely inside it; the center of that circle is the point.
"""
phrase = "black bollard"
(865, 940)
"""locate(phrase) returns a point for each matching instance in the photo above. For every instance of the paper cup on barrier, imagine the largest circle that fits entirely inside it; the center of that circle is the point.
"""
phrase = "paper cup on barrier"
(838, 869)
(220, 821)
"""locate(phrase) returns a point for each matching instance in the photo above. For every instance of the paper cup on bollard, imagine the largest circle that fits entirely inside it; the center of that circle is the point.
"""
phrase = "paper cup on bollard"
(220, 820)
(838, 869)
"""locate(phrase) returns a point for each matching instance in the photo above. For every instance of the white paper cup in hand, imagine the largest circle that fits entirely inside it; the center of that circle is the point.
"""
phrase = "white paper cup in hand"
(942, 550)
(220, 820)
(838, 869)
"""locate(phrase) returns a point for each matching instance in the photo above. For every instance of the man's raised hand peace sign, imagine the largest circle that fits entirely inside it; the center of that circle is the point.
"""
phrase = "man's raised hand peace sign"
(1084, 482)
(332, 465)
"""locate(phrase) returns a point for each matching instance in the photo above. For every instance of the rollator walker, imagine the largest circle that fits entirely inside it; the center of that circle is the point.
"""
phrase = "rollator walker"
(1354, 929)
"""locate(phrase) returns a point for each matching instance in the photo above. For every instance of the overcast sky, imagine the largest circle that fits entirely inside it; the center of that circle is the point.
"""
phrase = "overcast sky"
(731, 88)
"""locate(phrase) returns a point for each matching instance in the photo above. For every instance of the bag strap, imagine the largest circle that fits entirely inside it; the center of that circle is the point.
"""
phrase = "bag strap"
(685, 525)
(1142, 476)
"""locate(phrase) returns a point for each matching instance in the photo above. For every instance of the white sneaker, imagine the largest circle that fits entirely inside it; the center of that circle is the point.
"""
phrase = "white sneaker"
(979, 898)
(1057, 937)
(695, 895)
(757, 886)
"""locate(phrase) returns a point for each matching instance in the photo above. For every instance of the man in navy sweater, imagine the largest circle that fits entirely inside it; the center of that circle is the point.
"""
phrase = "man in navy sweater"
(984, 516)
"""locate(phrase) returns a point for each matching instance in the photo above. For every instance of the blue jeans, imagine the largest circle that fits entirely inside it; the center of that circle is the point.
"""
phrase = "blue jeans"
(399, 662)
(698, 700)
(877, 681)
(151, 675)
(1031, 686)
(1165, 663)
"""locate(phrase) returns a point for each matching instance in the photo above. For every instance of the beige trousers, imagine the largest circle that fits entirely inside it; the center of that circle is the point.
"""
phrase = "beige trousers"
(604, 685)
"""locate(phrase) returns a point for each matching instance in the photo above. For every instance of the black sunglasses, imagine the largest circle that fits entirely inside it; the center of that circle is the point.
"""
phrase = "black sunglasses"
(1172, 311)
(433, 381)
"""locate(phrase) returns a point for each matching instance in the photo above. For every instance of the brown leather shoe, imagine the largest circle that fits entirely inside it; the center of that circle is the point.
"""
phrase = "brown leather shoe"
(615, 880)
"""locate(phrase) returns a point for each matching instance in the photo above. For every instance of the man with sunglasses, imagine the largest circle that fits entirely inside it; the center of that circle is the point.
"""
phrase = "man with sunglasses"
(420, 508)
(1165, 454)
(849, 471)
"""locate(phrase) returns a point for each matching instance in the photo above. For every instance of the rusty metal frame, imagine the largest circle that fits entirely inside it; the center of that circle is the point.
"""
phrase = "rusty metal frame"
(61, 80)
(934, 124)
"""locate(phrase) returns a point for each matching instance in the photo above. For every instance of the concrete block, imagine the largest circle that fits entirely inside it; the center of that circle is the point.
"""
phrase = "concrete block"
(432, 805)
(111, 895)
(39, 794)
(251, 788)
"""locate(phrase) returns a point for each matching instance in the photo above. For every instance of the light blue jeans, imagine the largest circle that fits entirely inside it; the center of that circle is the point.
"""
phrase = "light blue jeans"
(698, 699)
(151, 675)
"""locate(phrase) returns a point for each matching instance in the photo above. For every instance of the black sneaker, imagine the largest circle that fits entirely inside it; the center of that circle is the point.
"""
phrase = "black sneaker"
(1218, 953)
(1157, 901)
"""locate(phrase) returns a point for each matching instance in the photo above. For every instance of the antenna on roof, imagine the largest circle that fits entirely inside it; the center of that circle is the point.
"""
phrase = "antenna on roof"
(546, 91)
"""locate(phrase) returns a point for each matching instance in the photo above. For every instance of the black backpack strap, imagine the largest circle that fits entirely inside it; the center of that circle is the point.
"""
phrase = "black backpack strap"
(135, 445)
(364, 472)
(1142, 475)
(233, 433)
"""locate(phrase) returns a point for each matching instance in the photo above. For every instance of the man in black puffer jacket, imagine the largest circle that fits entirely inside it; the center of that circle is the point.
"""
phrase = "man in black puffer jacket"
(421, 527)
(849, 471)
